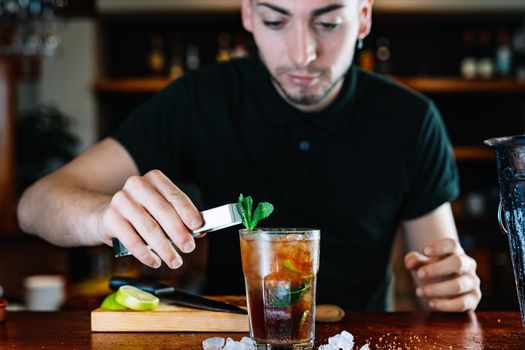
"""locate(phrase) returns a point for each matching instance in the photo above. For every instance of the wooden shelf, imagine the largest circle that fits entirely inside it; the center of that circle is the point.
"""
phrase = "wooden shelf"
(422, 84)
(473, 153)
(133, 85)
(448, 6)
(458, 85)
(166, 6)
(383, 6)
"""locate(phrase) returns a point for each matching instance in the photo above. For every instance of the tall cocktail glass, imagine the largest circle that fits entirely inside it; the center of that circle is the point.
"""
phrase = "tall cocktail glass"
(280, 267)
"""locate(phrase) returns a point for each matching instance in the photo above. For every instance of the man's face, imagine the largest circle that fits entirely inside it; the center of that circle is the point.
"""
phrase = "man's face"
(307, 45)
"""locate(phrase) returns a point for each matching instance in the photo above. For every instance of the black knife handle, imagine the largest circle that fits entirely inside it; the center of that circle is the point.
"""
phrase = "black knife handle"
(146, 285)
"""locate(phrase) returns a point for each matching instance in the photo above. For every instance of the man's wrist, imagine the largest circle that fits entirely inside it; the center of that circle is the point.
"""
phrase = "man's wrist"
(95, 234)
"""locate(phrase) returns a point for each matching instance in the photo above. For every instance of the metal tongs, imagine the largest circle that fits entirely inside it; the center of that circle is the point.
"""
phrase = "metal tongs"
(214, 219)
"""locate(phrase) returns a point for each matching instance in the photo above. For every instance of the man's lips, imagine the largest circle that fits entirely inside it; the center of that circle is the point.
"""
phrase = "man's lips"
(303, 80)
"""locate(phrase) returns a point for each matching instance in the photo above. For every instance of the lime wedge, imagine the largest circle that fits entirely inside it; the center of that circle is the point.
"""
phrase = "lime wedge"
(109, 303)
(287, 264)
(136, 299)
(305, 315)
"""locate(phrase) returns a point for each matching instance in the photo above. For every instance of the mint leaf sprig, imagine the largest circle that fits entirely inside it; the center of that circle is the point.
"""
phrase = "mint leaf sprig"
(245, 207)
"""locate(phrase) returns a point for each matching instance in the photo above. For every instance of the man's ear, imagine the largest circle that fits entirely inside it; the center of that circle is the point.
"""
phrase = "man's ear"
(365, 18)
(246, 15)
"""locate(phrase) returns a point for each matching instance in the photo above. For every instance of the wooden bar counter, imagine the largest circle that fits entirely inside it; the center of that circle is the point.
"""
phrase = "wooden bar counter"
(482, 330)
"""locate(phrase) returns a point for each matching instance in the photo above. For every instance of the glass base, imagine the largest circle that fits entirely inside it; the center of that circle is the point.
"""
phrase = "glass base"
(298, 346)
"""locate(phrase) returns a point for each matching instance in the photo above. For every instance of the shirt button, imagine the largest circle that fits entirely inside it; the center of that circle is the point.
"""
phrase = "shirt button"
(304, 145)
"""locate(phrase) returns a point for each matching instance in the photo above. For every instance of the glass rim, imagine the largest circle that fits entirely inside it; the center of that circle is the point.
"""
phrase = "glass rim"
(282, 231)
(505, 141)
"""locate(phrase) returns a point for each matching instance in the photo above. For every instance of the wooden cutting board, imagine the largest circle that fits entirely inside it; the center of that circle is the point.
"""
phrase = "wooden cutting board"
(171, 318)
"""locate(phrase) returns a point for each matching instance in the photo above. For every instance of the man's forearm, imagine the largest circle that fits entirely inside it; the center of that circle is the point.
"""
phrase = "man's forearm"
(62, 213)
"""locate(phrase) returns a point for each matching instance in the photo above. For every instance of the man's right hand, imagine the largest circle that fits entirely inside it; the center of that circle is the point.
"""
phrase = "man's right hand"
(151, 210)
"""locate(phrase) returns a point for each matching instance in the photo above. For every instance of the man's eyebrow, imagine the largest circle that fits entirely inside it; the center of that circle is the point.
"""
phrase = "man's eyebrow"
(275, 8)
(329, 8)
(315, 13)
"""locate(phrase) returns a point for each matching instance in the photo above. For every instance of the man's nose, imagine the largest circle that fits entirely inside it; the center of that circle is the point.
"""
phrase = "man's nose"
(302, 46)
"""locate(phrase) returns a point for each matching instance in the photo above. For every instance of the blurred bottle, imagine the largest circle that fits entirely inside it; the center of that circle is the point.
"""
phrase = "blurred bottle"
(156, 58)
(519, 52)
(468, 62)
(239, 48)
(193, 60)
(223, 47)
(177, 62)
(503, 54)
(485, 64)
(383, 55)
(475, 204)
(3, 305)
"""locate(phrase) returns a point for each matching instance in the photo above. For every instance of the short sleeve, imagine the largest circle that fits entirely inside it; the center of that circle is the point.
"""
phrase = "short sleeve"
(154, 133)
(432, 170)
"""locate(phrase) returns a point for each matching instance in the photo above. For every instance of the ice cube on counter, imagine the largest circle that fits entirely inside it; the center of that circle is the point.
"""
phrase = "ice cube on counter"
(347, 335)
(341, 342)
(230, 344)
(215, 343)
(248, 343)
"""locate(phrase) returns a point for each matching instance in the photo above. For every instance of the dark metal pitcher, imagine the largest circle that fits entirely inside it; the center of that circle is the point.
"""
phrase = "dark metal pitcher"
(510, 159)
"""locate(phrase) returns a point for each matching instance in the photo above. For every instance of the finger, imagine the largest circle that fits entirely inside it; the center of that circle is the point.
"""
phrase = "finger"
(453, 264)
(117, 226)
(147, 227)
(441, 247)
(162, 211)
(450, 288)
(462, 303)
(179, 200)
(415, 260)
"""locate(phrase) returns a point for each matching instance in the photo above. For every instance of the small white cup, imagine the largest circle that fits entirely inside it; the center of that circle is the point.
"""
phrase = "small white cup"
(44, 292)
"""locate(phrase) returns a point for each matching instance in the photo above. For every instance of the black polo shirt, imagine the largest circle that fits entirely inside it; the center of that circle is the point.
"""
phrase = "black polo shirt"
(378, 155)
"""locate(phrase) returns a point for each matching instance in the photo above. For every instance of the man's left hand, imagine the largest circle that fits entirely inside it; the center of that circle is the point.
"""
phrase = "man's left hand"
(445, 276)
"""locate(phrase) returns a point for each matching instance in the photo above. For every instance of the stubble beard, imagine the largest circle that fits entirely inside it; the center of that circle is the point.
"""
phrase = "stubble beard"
(303, 99)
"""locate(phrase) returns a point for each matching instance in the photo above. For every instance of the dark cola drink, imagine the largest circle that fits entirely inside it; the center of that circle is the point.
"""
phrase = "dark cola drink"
(280, 268)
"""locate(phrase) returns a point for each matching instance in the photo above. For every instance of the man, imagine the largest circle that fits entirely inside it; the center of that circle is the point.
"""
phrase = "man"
(329, 145)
